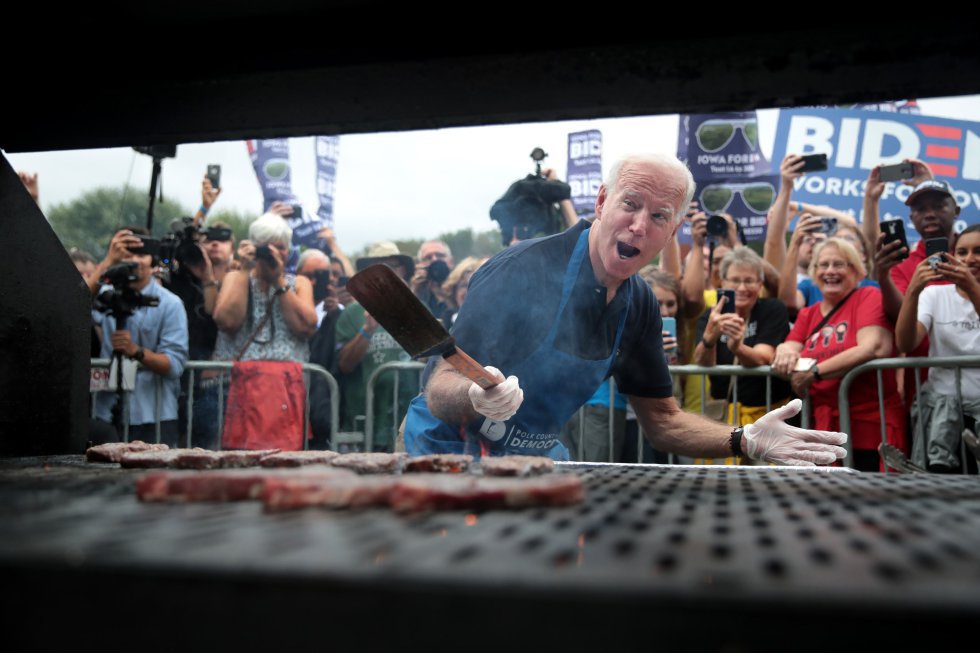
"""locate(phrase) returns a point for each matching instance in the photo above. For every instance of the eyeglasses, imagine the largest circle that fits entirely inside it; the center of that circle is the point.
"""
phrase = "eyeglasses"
(713, 135)
(832, 265)
(758, 196)
(748, 283)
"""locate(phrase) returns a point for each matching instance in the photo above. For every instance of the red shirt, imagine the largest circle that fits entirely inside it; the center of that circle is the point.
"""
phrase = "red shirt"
(863, 308)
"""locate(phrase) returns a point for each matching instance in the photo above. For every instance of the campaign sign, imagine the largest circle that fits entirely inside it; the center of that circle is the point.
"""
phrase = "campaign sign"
(327, 153)
(270, 159)
(722, 145)
(585, 169)
(856, 141)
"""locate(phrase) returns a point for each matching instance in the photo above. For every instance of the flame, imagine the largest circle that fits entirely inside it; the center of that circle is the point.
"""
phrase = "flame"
(581, 550)
(470, 519)
(443, 532)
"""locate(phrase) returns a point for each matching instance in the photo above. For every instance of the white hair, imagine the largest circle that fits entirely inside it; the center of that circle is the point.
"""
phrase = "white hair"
(270, 228)
(310, 255)
(449, 252)
(744, 257)
(668, 161)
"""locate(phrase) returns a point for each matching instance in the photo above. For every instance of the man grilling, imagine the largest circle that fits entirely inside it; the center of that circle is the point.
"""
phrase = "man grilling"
(559, 315)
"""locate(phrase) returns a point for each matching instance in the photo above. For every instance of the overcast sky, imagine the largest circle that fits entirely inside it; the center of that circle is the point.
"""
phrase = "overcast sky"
(389, 185)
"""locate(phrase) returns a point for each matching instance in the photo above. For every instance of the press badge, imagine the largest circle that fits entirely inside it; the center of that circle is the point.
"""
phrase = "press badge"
(128, 374)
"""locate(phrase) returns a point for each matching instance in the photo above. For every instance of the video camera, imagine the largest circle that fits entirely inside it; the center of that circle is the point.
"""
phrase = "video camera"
(528, 209)
(181, 244)
(122, 300)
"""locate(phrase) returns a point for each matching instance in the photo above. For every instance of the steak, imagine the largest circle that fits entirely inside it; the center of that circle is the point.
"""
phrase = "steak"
(442, 492)
(218, 485)
(149, 459)
(112, 452)
(344, 490)
(516, 465)
(370, 463)
(439, 462)
(298, 458)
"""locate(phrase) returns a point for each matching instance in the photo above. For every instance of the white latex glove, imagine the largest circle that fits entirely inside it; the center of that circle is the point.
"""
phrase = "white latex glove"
(500, 402)
(772, 440)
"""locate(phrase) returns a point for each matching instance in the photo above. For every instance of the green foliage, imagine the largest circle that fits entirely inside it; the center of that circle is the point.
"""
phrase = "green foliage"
(89, 221)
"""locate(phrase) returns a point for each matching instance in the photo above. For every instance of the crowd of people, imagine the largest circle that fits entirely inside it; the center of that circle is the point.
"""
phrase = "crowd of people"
(814, 305)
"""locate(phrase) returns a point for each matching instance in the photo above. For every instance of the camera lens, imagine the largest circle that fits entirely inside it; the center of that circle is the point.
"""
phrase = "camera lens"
(717, 226)
(438, 271)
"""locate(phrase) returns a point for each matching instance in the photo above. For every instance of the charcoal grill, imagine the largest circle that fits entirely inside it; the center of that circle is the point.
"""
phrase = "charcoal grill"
(680, 557)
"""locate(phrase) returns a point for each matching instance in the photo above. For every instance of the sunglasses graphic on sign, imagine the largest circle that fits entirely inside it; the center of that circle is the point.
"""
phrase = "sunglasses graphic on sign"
(712, 135)
(757, 196)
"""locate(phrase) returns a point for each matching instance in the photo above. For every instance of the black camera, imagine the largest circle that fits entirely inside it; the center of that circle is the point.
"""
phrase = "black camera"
(264, 253)
(437, 271)
(121, 300)
(717, 226)
(181, 244)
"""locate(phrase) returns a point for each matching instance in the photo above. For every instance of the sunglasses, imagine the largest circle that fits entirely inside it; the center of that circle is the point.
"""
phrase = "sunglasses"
(758, 196)
(713, 135)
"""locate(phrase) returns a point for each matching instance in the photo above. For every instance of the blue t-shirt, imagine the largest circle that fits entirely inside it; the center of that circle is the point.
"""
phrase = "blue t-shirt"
(513, 299)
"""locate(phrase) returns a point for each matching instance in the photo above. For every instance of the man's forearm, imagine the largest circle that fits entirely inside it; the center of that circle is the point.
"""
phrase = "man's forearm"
(891, 299)
(685, 434)
(447, 395)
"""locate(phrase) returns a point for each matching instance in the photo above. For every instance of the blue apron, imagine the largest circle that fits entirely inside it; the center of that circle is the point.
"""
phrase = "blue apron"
(555, 385)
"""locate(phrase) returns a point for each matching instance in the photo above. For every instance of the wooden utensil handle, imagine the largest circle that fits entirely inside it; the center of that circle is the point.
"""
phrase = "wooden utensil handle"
(473, 370)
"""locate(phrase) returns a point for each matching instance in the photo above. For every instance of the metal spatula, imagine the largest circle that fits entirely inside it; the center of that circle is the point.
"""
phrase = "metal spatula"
(393, 304)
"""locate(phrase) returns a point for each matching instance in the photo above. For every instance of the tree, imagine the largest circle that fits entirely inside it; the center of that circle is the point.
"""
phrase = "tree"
(89, 221)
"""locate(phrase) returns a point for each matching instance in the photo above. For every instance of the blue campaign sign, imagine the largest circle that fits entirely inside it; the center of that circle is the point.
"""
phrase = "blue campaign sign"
(857, 141)
(716, 145)
(584, 169)
(746, 200)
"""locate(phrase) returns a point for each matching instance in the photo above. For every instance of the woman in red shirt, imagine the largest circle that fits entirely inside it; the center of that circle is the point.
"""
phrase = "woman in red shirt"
(855, 332)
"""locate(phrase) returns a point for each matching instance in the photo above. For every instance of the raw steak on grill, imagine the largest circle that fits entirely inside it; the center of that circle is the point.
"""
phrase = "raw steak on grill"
(298, 458)
(370, 463)
(442, 492)
(340, 491)
(439, 462)
(516, 465)
(111, 452)
(219, 485)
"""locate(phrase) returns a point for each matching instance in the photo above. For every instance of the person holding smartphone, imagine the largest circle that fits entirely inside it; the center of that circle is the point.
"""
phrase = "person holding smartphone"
(950, 316)
(844, 329)
(154, 336)
(747, 336)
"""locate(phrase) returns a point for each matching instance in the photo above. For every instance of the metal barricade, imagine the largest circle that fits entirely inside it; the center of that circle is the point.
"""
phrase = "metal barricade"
(369, 396)
(193, 366)
(953, 362)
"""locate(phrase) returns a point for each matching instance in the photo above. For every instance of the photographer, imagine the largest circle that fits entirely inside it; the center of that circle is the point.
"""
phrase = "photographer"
(433, 265)
(155, 337)
(197, 272)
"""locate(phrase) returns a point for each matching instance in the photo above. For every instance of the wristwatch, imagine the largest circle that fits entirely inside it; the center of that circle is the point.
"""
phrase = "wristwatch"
(138, 356)
(707, 345)
(816, 373)
(281, 290)
(735, 441)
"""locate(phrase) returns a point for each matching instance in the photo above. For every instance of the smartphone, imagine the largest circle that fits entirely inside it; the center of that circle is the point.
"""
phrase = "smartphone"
(804, 364)
(895, 230)
(217, 233)
(150, 246)
(896, 172)
(297, 212)
(670, 326)
(936, 250)
(814, 162)
(321, 285)
(729, 306)
(828, 225)
(214, 175)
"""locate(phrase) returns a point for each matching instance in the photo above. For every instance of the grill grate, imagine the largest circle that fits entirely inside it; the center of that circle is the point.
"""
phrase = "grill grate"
(827, 542)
